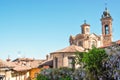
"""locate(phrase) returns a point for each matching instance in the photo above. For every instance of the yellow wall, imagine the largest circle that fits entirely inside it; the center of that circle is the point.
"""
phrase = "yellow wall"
(33, 72)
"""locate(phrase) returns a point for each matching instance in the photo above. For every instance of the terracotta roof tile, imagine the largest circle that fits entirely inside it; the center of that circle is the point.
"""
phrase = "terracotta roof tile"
(85, 25)
(21, 68)
(23, 59)
(18, 65)
(118, 42)
(6, 64)
(105, 46)
(72, 48)
(35, 63)
(2, 63)
(47, 63)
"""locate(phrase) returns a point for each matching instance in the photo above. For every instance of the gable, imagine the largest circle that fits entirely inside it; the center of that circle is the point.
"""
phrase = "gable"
(94, 36)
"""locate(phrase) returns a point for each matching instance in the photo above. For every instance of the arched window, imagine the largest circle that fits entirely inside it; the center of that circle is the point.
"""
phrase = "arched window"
(106, 29)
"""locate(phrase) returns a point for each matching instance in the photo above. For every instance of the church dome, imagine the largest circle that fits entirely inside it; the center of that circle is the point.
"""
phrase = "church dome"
(106, 14)
(85, 24)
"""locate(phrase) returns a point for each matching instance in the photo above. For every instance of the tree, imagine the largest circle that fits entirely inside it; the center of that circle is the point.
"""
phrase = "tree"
(92, 62)
(41, 77)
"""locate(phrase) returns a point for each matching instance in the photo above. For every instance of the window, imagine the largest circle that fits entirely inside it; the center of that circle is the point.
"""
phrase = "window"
(80, 43)
(87, 29)
(56, 62)
(71, 61)
(106, 29)
(82, 31)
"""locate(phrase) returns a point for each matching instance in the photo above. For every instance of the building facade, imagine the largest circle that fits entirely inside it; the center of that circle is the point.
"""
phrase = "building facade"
(19, 69)
(65, 57)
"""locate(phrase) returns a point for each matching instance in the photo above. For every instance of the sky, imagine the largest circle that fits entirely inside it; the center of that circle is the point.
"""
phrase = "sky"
(35, 28)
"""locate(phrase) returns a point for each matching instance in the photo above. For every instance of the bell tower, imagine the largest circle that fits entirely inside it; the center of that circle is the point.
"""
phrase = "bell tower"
(85, 28)
(106, 21)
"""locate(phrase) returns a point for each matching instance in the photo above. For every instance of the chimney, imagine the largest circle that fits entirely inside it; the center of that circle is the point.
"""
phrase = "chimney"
(8, 59)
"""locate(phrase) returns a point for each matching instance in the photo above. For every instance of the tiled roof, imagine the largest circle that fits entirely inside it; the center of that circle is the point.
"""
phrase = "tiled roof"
(2, 64)
(79, 36)
(105, 46)
(35, 63)
(21, 68)
(118, 42)
(72, 48)
(21, 64)
(47, 63)
(11, 64)
(23, 59)
(85, 25)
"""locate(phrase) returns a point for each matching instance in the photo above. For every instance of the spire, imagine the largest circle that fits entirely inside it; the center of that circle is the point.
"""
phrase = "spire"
(106, 5)
(106, 9)
(106, 13)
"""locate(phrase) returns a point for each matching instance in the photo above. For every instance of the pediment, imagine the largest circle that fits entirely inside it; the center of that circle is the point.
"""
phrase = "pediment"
(93, 35)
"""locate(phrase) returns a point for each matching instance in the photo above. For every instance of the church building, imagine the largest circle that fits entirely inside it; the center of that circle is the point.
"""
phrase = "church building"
(87, 40)
(83, 42)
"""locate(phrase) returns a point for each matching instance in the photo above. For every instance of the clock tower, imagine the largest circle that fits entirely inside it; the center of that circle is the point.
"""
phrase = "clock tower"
(106, 21)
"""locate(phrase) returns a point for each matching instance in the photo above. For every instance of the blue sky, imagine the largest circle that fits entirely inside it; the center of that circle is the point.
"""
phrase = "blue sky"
(34, 28)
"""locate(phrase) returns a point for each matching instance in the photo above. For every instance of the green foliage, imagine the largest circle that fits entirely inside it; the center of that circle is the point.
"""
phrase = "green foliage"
(79, 57)
(41, 77)
(66, 78)
(92, 66)
(92, 60)
(55, 74)
(61, 74)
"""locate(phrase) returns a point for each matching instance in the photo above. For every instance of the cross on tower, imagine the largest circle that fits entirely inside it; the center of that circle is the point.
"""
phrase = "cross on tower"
(106, 4)
(84, 21)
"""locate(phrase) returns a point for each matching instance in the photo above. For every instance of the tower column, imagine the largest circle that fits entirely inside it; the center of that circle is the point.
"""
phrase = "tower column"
(106, 22)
